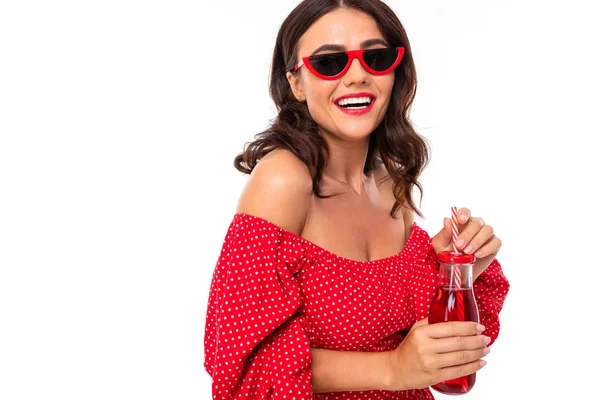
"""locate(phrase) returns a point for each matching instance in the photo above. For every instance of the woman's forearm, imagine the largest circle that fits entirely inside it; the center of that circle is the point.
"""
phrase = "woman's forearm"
(336, 371)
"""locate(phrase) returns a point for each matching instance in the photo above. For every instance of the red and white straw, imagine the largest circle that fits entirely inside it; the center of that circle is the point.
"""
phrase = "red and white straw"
(457, 278)
(460, 306)
(454, 228)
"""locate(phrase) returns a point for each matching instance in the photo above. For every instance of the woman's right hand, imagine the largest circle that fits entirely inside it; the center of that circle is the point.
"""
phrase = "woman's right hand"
(434, 353)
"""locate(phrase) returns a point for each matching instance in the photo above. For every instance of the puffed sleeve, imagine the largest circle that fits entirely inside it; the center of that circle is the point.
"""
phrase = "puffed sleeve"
(490, 288)
(256, 344)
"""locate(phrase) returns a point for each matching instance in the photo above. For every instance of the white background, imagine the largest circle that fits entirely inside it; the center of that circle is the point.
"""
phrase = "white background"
(119, 122)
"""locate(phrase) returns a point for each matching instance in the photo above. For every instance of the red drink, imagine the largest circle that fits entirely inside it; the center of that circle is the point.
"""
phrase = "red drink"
(452, 304)
(454, 300)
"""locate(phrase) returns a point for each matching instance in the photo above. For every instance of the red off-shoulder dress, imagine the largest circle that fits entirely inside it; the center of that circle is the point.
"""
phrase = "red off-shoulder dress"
(274, 294)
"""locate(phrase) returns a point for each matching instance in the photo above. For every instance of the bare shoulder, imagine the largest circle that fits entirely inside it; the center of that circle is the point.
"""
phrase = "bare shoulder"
(279, 190)
(386, 187)
(409, 218)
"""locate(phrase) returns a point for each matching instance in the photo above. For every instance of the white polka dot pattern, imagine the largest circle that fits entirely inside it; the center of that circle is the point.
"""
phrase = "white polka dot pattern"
(274, 294)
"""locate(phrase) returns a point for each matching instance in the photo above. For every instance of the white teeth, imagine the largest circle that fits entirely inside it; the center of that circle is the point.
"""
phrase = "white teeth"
(354, 100)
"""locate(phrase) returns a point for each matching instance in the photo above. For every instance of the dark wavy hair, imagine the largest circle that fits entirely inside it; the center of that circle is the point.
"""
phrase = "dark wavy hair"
(394, 143)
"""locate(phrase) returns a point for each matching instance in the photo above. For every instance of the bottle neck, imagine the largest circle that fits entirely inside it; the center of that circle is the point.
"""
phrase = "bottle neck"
(457, 276)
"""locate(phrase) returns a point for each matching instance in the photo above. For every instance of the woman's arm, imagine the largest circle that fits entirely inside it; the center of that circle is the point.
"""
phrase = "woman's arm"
(338, 371)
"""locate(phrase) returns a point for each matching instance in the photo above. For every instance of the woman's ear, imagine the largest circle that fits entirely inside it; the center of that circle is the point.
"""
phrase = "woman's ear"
(296, 86)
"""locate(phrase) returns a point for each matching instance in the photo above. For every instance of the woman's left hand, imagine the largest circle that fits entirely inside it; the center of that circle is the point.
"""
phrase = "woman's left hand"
(475, 237)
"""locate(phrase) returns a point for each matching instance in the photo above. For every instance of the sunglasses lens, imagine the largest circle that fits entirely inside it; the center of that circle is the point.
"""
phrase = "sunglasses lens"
(380, 59)
(329, 64)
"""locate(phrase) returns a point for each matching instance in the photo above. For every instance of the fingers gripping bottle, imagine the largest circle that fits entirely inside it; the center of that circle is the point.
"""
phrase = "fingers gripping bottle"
(454, 300)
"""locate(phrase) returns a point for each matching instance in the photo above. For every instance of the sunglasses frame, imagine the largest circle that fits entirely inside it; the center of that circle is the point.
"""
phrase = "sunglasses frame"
(352, 54)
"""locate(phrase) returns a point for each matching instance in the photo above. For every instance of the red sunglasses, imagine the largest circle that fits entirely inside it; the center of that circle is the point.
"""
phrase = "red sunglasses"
(333, 65)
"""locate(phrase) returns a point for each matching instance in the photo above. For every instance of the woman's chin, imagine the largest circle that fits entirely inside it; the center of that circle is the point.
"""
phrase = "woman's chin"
(356, 131)
(348, 129)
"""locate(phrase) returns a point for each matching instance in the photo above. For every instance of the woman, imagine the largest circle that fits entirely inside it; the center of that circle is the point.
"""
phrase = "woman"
(324, 280)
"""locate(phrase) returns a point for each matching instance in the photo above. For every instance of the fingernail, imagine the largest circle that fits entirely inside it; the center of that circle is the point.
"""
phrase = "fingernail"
(460, 243)
(482, 363)
(487, 339)
(463, 218)
(486, 351)
(479, 253)
(469, 249)
(480, 328)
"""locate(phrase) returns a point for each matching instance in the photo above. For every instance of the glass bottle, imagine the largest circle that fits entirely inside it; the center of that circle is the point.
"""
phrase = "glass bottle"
(454, 300)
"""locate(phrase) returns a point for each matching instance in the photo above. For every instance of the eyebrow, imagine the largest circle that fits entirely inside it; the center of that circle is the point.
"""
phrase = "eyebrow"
(337, 47)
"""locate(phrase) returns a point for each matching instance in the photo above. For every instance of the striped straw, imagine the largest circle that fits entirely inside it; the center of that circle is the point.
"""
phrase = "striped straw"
(460, 306)
(454, 211)
(457, 278)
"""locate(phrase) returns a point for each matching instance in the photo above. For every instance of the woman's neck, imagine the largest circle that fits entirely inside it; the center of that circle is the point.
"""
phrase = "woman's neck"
(346, 164)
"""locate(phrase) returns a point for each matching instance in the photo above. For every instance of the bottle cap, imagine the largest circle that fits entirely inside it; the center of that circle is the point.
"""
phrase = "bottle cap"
(456, 258)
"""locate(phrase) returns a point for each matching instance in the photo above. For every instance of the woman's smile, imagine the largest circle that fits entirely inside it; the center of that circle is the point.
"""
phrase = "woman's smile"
(356, 104)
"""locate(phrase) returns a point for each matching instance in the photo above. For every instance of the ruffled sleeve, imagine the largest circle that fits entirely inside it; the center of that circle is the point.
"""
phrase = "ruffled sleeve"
(490, 288)
(256, 344)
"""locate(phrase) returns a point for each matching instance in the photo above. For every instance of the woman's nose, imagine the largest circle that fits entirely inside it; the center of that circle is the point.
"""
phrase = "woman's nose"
(356, 73)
